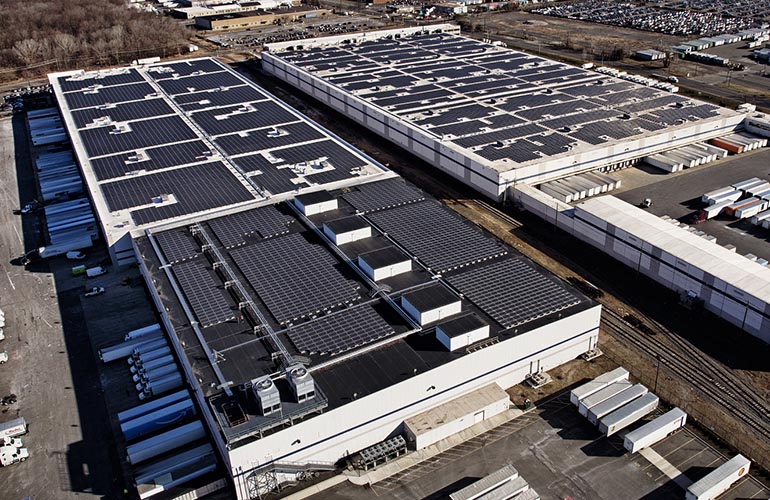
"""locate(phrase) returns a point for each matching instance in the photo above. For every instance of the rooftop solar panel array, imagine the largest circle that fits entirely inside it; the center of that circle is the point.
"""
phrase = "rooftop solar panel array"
(341, 331)
(169, 140)
(294, 278)
(512, 292)
(460, 88)
(436, 236)
(204, 294)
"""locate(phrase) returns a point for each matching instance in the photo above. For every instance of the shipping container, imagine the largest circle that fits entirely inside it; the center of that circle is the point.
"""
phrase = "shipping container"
(627, 415)
(602, 395)
(162, 443)
(751, 209)
(732, 197)
(747, 184)
(714, 210)
(654, 431)
(731, 209)
(596, 384)
(719, 480)
(617, 401)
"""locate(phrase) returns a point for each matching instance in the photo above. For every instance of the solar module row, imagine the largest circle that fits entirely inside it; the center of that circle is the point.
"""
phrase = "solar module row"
(265, 222)
(294, 278)
(340, 332)
(513, 292)
(136, 135)
(204, 293)
(196, 188)
(177, 245)
(121, 165)
(129, 111)
(77, 82)
(440, 239)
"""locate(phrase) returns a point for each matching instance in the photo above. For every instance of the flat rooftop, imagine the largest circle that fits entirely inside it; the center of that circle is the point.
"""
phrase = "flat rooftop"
(503, 108)
(311, 302)
(167, 141)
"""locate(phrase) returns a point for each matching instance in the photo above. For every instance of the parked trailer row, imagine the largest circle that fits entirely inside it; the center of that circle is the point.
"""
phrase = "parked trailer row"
(683, 157)
(597, 384)
(615, 402)
(167, 441)
(738, 142)
(158, 420)
(602, 395)
(654, 431)
(125, 349)
(627, 415)
(154, 363)
(580, 186)
(719, 480)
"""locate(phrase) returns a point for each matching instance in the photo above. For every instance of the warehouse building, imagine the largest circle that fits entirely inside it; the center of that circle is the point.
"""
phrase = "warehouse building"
(323, 309)
(490, 116)
(256, 18)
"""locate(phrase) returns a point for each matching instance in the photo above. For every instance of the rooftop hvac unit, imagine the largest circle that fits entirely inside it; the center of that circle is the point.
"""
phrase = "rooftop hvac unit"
(301, 383)
(268, 398)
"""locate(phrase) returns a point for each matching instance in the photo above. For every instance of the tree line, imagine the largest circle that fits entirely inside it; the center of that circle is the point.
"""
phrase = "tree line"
(40, 36)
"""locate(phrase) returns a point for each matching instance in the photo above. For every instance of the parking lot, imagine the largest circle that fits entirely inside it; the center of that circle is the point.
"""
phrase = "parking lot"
(678, 196)
(52, 332)
(561, 456)
(629, 15)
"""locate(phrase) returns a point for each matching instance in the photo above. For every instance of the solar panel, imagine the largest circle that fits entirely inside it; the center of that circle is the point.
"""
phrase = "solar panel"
(375, 196)
(236, 118)
(513, 292)
(436, 236)
(105, 79)
(203, 293)
(121, 165)
(218, 97)
(340, 331)
(266, 222)
(143, 134)
(134, 110)
(199, 83)
(195, 188)
(177, 245)
(108, 95)
(294, 278)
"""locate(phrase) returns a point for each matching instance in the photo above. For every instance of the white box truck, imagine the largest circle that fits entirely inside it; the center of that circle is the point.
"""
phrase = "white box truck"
(13, 428)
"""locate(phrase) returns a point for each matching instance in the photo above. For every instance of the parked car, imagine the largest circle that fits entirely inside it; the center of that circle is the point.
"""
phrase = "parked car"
(93, 292)
(3, 357)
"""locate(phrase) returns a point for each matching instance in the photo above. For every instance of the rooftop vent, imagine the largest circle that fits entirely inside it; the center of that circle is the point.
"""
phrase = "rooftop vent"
(301, 382)
(267, 395)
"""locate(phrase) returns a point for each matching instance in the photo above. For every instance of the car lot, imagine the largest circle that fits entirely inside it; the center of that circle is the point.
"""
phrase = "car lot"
(678, 195)
(561, 456)
(50, 333)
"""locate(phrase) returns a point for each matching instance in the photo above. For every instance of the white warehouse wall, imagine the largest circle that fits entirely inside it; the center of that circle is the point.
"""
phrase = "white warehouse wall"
(371, 419)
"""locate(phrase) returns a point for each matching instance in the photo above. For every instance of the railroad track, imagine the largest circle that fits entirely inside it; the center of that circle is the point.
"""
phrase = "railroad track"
(689, 365)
